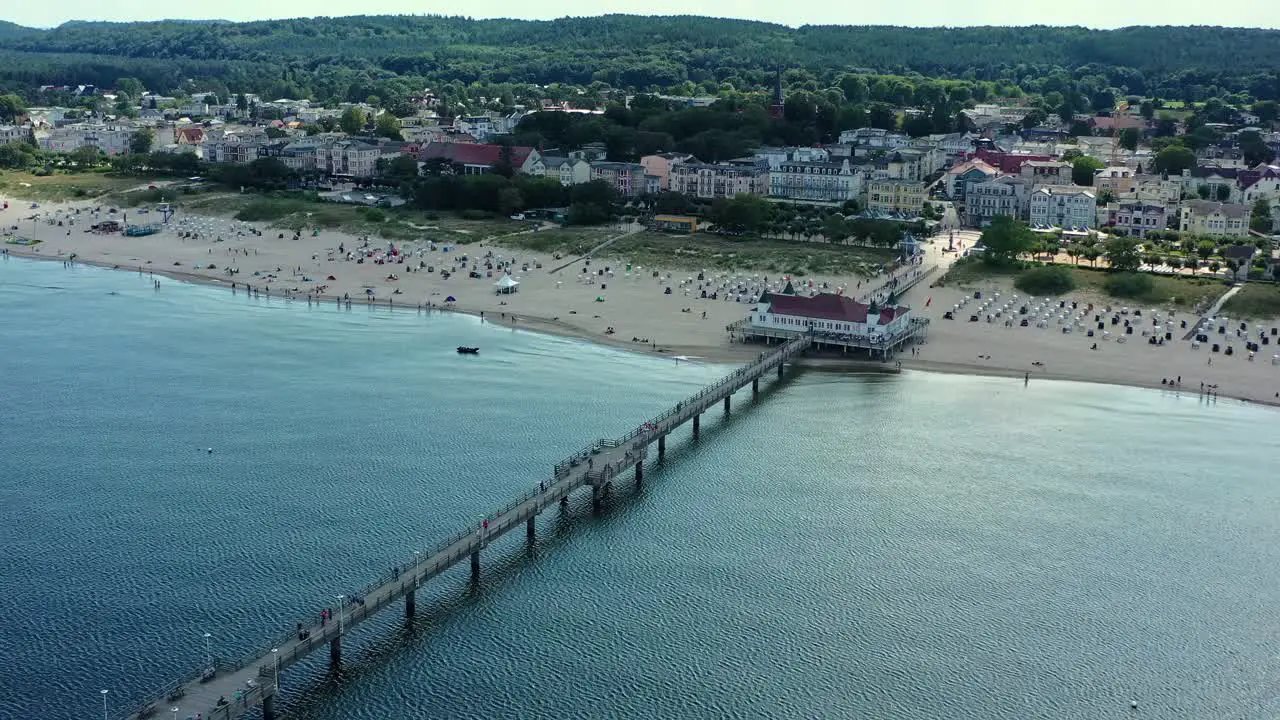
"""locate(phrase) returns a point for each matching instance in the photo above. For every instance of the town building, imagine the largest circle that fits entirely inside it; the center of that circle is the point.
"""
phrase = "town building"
(14, 133)
(627, 178)
(823, 181)
(1004, 195)
(348, 158)
(725, 180)
(1204, 217)
(874, 138)
(660, 166)
(478, 159)
(776, 156)
(1137, 218)
(1116, 181)
(1070, 207)
(958, 178)
(565, 170)
(1047, 172)
(111, 139)
(886, 195)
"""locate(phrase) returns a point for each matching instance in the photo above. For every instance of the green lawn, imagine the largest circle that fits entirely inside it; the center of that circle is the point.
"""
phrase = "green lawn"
(1258, 301)
(705, 251)
(1182, 291)
(62, 186)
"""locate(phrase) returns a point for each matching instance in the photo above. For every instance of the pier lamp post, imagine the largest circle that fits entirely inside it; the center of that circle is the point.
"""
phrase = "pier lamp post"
(104, 705)
(275, 654)
(208, 650)
(341, 611)
(417, 557)
(174, 710)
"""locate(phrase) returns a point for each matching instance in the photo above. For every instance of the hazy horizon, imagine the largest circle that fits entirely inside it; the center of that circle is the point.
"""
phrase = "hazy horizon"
(1097, 14)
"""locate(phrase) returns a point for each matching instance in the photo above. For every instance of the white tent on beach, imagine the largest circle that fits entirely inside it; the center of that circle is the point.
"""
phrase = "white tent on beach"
(506, 285)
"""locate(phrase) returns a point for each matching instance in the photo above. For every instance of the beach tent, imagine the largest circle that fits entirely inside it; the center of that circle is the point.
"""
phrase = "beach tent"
(451, 299)
(506, 286)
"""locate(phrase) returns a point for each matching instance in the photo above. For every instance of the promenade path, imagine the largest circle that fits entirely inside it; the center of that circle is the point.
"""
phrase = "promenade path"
(225, 689)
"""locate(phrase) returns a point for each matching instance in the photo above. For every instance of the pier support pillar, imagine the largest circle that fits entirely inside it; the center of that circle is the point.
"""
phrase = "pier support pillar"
(780, 369)
(410, 603)
(696, 419)
(639, 472)
(596, 497)
(335, 650)
(662, 446)
(529, 527)
(564, 501)
(475, 565)
(269, 707)
(726, 404)
(755, 388)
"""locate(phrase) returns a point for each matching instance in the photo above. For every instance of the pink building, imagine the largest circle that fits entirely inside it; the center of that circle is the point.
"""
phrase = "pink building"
(660, 165)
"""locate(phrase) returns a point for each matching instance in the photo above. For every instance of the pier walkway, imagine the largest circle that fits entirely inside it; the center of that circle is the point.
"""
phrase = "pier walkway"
(224, 689)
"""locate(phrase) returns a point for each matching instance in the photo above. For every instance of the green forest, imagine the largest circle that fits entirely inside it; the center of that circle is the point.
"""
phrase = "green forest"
(352, 58)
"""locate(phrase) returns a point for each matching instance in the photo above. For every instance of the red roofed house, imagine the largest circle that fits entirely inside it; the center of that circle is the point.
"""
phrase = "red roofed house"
(475, 158)
(827, 313)
(188, 135)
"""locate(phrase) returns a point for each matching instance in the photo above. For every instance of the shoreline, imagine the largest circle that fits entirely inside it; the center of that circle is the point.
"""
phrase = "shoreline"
(710, 354)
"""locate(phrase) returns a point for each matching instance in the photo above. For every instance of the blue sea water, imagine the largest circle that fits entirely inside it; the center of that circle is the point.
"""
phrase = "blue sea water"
(914, 546)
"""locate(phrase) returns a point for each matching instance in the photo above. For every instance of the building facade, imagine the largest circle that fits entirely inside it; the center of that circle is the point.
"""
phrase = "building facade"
(824, 181)
(707, 181)
(660, 166)
(886, 195)
(1202, 217)
(626, 178)
(1137, 218)
(1001, 196)
(1069, 207)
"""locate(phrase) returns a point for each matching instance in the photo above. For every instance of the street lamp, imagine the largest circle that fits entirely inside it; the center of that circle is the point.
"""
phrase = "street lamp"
(104, 705)
(275, 653)
(341, 612)
(174, 710)
(208, 650)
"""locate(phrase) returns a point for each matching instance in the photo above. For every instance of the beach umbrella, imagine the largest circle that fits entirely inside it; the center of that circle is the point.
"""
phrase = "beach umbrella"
(451, 299)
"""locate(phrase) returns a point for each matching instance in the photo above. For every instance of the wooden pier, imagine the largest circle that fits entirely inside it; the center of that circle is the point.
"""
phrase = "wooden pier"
(224, 690)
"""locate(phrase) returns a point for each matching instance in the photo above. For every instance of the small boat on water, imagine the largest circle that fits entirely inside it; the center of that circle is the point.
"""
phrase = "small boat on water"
(464, 350)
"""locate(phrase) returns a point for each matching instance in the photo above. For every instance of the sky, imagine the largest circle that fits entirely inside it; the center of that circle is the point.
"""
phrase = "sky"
(1091, 13)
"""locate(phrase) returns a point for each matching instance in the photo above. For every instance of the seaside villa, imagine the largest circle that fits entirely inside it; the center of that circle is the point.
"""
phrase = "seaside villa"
(835, 320)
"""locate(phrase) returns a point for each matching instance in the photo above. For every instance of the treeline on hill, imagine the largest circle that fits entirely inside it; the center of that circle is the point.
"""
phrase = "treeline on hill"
(333, 59)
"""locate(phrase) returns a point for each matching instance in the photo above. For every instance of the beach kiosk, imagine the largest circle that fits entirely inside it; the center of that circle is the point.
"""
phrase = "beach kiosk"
(506, 285)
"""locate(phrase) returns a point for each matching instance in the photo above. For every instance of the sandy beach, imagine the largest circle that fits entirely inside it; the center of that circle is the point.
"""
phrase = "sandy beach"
(652, 309)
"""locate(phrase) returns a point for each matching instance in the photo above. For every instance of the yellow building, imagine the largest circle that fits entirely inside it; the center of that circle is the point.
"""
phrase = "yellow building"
(675, 223)
(889, 195)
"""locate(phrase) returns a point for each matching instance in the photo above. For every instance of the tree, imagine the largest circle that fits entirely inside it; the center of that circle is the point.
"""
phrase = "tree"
(1123, 254)
(1129, 138)
(388, 126)
(510, 201)
(740, 214)
(1174, 159)
(1005, 239)
(140, 141)
(11, 106)
(242, 103)
(1083, 169)
(1266, 110)
(131, 87)
(1223, 192)
(1148, 110)
(86, 156)
(1260, 217)
(399, 168)
(12, 156)
(352, 120)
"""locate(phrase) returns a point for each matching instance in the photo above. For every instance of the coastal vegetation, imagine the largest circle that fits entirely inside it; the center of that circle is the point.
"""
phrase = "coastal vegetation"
(61, 185)
(1140, 288)
(711, 252)
(1255, 301)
